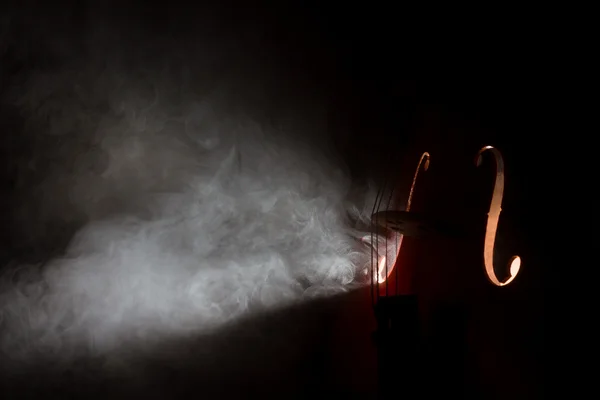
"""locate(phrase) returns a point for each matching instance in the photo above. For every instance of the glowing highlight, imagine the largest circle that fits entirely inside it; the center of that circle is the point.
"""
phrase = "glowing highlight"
(514, 265)
(382, 264)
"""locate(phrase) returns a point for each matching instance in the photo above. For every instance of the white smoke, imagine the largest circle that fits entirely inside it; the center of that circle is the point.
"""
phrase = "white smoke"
(194, 209)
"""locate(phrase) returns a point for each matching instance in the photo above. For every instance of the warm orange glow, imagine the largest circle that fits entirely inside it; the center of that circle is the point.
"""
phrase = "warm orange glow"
(492, 222)
(383, 259)
(425, 157)
(384, 250)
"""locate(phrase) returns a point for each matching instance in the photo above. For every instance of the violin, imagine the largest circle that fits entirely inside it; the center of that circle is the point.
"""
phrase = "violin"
(447, 281)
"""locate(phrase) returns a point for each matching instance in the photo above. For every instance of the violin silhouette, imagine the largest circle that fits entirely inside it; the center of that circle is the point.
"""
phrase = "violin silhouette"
(416, 225)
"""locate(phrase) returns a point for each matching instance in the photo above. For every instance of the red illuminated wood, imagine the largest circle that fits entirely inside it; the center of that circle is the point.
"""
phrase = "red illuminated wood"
(383, 219)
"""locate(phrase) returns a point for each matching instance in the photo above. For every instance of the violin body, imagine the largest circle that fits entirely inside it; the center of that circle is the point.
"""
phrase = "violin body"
(476, 320)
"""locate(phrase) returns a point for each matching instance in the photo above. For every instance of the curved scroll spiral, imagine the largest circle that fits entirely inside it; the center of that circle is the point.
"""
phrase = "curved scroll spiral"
(514, 264)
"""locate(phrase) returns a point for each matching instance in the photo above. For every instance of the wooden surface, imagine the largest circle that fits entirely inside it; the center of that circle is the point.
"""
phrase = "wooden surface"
(480, 340)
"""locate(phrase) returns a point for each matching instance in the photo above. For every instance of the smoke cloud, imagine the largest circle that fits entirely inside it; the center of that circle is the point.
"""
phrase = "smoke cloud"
(162, 188)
